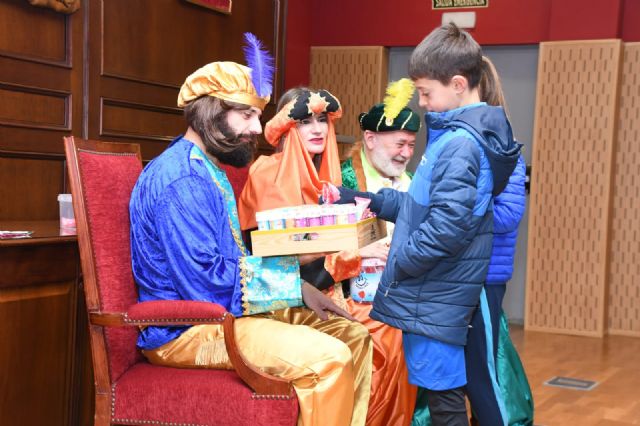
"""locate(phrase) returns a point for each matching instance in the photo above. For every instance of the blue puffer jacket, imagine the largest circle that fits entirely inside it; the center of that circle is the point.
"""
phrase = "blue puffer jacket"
(508, 209)
(444, 224)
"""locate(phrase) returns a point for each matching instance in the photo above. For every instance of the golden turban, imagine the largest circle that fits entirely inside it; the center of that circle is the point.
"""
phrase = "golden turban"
(225, 80)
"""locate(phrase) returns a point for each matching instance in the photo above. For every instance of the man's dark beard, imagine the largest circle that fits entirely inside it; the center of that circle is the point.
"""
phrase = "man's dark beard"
(239, 157)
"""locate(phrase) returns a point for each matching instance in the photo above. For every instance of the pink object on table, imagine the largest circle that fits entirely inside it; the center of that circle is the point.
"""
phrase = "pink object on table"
(67, 222)
(9, 235)
(301, 222)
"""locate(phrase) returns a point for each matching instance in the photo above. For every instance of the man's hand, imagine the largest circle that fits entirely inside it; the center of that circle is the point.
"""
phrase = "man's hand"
(319, 303)
(377, 249)
(303, 259)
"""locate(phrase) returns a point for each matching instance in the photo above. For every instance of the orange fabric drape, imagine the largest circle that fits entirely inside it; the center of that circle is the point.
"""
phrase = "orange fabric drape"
(288, 178)
(392, 397)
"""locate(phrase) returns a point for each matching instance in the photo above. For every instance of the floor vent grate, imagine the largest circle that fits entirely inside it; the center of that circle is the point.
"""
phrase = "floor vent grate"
(571, 383)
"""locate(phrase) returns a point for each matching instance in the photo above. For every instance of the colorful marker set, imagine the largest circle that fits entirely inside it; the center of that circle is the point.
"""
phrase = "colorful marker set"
(307, 216)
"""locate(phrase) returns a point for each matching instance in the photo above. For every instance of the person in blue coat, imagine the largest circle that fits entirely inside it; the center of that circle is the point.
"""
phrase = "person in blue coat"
(483, 388)
(485, 383)
(442, 241)
(497, 386)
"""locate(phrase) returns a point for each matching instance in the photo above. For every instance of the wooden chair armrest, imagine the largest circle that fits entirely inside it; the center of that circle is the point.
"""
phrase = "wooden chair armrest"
(256, 379)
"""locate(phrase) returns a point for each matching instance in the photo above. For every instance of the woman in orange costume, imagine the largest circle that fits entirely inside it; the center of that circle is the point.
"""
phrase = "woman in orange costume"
(303, 131)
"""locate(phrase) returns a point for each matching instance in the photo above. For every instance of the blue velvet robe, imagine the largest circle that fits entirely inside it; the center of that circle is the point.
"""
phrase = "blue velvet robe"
(186, 245)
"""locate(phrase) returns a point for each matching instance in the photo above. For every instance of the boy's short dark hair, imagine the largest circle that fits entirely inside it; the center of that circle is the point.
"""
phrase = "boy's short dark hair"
(445, 52)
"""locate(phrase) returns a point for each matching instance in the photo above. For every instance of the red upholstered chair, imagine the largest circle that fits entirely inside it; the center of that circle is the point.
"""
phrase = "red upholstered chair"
(237, 178)
(129, 390)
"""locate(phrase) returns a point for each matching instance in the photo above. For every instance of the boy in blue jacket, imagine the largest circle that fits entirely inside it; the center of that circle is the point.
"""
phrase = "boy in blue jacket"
(442, 241)
(494, 369)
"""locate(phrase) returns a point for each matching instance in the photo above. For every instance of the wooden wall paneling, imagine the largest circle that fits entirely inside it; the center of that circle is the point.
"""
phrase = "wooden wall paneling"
(624, 272)
(38, 294)
(356, 75)
(133, 120)
(138, 65)
(43, 45)
(34, 107)
(574, 134)
(83, 381)
(40, 102)
(40, 77)
(30, 186)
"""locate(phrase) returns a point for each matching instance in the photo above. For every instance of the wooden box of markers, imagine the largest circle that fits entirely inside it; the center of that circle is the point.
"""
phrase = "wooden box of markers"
(317, 239)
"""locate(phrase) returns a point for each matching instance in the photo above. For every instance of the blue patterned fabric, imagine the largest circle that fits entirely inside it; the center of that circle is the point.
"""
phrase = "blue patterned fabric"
(270, 283)
(183, 245)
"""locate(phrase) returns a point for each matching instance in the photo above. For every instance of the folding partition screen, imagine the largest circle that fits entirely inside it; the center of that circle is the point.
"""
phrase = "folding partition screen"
(571, 186)
(624, 267)
(356, 75)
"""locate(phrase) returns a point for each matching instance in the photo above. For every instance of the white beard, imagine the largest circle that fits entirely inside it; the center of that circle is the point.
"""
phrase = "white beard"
(385, 165)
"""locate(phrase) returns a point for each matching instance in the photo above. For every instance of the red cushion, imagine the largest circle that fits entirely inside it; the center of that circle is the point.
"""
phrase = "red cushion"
(151, 394)
(237, 177)
(107, 182)
(167, 310)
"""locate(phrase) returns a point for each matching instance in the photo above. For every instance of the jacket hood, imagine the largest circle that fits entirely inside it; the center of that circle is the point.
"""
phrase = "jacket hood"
(491, 128)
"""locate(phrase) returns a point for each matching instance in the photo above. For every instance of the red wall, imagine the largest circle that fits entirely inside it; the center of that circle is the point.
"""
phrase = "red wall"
(584, 20)
(631, 20)
(297, 54)
(406, 22)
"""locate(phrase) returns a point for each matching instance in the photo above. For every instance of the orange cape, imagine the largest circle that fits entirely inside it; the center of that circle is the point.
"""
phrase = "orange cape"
(288, 178)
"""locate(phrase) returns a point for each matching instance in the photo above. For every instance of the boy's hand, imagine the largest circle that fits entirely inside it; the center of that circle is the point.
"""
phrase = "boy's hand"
(339, 195)
(348, 196)
(319, 303)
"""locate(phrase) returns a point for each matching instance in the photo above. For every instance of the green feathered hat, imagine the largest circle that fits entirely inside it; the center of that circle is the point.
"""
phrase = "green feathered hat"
(393, 114)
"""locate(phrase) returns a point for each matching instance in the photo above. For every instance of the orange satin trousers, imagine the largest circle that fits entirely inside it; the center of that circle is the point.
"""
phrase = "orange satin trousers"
(392, 397)
(329, 362)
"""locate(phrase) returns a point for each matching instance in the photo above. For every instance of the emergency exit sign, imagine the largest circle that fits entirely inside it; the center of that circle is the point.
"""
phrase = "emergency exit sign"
(453, 4)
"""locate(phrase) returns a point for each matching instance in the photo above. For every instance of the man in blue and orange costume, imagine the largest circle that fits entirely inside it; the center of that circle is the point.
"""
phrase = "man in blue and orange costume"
(379, 161)
(186, 245)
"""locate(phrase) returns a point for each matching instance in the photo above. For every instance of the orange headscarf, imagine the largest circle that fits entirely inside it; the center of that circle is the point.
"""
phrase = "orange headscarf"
(289, 178)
